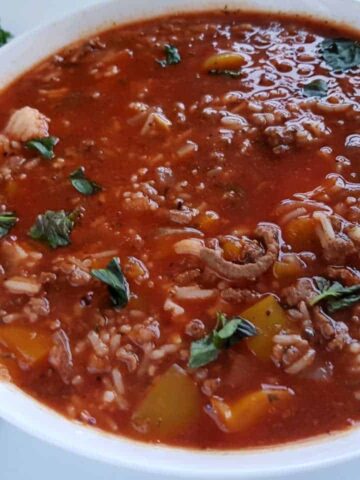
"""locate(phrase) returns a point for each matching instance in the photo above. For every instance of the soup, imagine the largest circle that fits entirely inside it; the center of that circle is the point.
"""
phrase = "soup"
(180, 205)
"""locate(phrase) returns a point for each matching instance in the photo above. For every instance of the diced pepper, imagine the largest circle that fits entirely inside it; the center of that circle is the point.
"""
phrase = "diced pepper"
(208, 220)
(171, 404)
(287, 270)
(224, 61)
(28, 345)
(246, 412)
(300, 234)
(232, 250)
(269, 318)
(135, 269)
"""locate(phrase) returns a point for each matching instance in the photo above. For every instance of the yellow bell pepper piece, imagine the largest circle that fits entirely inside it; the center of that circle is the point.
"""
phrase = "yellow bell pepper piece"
(269, 318)
(171, 404)
(28, 345)
(246, 412)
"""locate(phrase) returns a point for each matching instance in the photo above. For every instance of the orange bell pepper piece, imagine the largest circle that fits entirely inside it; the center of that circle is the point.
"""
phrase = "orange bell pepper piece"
(27, 344)
(248, 410)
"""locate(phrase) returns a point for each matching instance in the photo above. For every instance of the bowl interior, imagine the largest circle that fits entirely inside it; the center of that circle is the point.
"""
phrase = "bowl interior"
(23, 411)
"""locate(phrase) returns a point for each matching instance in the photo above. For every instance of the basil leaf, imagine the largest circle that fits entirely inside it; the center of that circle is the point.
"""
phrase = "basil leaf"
(54, 228)
(316, 88)
(322, 283)
(327, 290)
(7, 221)
(335, 295)
(225, 73)
(345, 302)
(233, 331)
(340, 54)
(82, 184)
(44, 146)
(172, 56)
(4, 36)
(117, 284)
(226, 333)
(202, 352)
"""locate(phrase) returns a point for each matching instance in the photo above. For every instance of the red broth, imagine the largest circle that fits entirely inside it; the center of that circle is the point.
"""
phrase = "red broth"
(225, 149)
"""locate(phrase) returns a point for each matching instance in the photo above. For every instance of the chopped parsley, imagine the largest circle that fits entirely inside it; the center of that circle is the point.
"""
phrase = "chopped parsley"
(172, 56)
(44, 146)
(7, 221)
(226, 333)
(316, 88)
(5, 36)
(334, 295)
(54, 228)
(340, 54)
(117, 284)
(82, 184)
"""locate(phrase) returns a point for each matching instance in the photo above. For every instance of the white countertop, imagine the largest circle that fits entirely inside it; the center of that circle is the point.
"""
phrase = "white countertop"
(23, 457)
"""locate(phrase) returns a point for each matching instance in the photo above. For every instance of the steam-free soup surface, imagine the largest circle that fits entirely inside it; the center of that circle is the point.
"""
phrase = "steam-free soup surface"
(180, 230)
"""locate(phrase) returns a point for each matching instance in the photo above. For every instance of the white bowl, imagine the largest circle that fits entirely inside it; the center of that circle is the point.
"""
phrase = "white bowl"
(26, 413)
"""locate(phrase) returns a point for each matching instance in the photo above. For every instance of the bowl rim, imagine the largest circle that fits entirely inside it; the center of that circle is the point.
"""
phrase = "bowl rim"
(72, 436)
(35, 418)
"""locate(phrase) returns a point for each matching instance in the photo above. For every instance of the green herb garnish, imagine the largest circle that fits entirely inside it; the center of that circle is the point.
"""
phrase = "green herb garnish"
(226, 333)
(54, 228)
(316, 88)
(172, 56)
(82, 184)
(334, 295)
(44, 146)
(340, 54)
(225, 73)
(4, 36)
(117, 284)
(7, 221)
